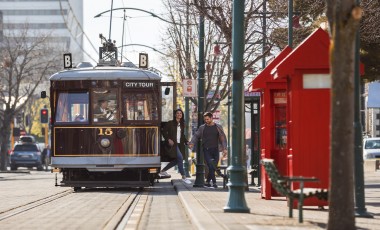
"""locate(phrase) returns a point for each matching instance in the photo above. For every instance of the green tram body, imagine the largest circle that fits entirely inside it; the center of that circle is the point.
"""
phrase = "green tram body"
(120, 148)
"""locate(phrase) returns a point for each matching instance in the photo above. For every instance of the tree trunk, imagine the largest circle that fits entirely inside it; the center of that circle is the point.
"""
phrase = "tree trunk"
(341, 191)
(5, 134)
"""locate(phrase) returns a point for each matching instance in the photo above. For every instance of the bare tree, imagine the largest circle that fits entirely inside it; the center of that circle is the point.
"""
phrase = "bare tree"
(309, 14)
(26, 61)
(218, 44)
(344, 18)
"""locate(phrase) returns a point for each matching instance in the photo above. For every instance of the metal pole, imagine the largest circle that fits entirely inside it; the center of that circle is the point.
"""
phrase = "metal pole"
(187, 110)
(360, 210)
(264, 32)
(122, 40)
(109, 36)
(290, 26)
(199, 179)
(229, 132)
(236, 199)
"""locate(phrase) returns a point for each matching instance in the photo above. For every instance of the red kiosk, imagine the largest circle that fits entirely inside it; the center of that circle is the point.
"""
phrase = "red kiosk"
(307, 71)
(272, 111)
(297, 133)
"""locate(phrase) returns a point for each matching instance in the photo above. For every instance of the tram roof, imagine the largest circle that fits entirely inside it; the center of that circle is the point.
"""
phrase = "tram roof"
(105, 73)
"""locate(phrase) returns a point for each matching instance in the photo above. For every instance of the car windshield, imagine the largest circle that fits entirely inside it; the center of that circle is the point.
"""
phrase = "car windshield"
(27, 139)
(372, 144)
(23, 148)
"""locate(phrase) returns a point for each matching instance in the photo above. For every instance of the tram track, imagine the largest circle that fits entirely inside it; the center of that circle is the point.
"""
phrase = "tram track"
(129, 213)
(32, 205)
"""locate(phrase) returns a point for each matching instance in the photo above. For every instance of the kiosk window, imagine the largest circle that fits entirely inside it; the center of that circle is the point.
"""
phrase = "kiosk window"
(281, 135)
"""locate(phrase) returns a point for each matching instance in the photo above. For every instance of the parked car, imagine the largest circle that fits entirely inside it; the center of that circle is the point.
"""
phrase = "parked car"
(26, 155)
(371, 148)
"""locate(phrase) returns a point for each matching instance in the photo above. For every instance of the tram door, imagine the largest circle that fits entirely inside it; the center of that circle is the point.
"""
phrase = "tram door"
(168, 105)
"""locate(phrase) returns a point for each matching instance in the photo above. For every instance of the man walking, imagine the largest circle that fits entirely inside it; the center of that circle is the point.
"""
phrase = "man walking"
(213, 141)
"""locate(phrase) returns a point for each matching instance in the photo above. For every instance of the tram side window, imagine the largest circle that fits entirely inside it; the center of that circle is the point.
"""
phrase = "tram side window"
(140, 106)
(72, 107)
(105, 106)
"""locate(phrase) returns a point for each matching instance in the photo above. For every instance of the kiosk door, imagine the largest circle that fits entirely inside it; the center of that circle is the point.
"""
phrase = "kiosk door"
(279, 151)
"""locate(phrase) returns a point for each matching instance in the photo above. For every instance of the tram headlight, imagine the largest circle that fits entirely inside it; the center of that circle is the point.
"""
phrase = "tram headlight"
(105, 142)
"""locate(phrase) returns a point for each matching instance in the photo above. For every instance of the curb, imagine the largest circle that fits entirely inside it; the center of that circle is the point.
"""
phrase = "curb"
(197, 213)
(16, 171)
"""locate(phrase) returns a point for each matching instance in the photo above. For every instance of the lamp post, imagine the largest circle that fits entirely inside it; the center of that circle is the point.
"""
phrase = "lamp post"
(199, 175)
(187, 106)
(360, 209)
(290, 25)
(236, 199)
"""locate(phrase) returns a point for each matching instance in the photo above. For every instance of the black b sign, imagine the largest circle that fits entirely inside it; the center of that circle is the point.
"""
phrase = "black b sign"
(143, 60)
(67, 61)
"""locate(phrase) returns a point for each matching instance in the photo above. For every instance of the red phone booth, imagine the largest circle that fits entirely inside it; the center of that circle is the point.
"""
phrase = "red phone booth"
(307, 71)
(273, 127)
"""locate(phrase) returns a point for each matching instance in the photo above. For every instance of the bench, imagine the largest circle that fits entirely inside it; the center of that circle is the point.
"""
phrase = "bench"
(283, 186)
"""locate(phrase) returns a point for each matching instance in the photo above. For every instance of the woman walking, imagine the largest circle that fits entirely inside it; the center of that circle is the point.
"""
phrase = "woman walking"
(174, 135)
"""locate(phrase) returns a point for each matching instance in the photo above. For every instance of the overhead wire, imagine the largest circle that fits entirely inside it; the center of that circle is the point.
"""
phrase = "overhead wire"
(78, 25)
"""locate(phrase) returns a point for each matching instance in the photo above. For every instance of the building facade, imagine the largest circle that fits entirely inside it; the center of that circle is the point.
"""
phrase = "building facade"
(372, 109)
(59, 18)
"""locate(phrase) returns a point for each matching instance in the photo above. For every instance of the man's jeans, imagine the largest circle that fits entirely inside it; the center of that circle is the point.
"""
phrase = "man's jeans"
(212, 159)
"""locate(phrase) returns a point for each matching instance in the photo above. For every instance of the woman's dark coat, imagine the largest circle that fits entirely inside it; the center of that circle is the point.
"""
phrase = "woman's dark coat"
(170, 132)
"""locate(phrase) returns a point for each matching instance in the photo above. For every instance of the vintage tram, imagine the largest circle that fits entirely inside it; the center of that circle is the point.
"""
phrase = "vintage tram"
(105, 124)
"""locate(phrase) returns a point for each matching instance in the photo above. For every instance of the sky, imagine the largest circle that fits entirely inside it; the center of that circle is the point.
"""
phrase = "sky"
(140, 27)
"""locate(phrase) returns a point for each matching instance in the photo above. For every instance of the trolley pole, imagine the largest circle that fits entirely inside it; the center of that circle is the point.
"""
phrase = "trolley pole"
(200, 171)
(236, 199)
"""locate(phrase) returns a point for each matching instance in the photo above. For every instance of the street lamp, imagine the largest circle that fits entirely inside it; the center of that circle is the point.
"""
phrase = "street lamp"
(199, 176)
(360, 209)
(236, 199)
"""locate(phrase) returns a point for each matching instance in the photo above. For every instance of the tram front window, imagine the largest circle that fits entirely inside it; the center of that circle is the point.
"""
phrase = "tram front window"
(105, 106)
(140, 106)
(72, 107)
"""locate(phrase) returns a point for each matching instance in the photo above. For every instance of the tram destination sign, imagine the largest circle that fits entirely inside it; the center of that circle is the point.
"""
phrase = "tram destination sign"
(131, 84)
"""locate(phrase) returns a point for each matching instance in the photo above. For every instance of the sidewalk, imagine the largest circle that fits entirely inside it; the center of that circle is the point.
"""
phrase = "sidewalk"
(205, 208)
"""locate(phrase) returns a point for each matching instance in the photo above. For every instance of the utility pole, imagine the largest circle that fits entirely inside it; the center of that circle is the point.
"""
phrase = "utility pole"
(236, 199)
